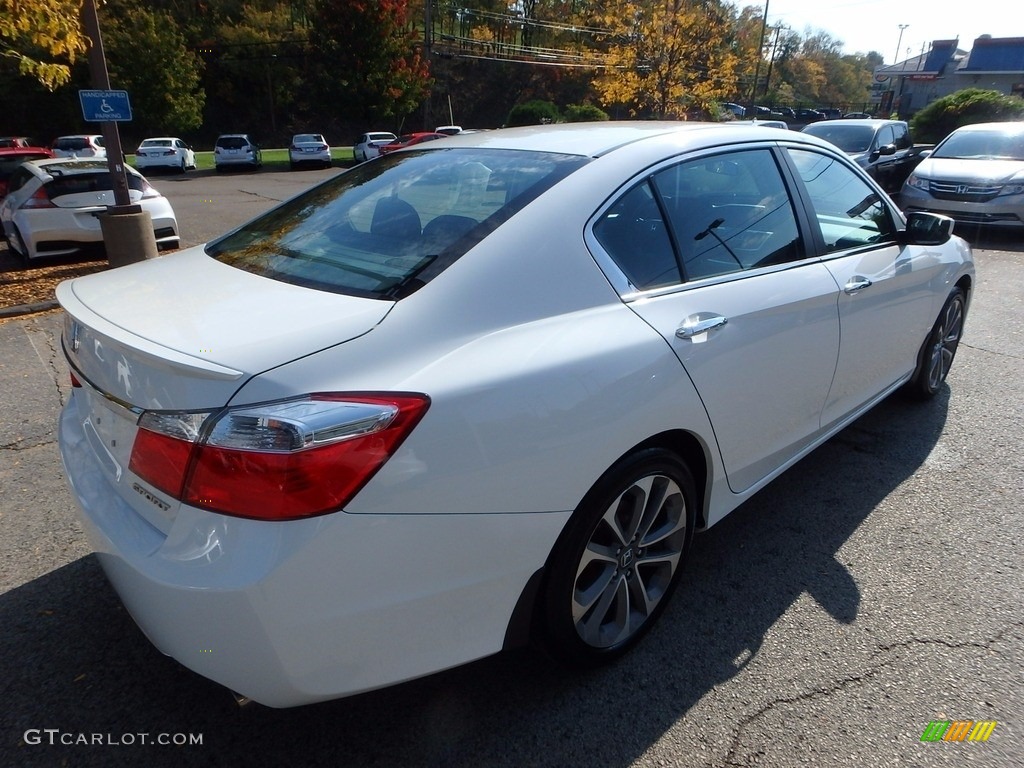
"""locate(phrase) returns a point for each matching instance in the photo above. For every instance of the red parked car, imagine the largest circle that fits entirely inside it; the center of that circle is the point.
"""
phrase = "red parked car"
(408, 139)
(12, 157)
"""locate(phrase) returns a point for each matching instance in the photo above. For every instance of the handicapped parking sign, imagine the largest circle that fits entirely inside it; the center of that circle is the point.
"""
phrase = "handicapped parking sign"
(105, 106)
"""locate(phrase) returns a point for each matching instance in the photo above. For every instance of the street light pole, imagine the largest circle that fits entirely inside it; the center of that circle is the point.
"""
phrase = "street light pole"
(898, 41)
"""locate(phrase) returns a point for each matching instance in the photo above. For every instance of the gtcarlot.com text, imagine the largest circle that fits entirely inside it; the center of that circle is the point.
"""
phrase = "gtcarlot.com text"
(55, 737)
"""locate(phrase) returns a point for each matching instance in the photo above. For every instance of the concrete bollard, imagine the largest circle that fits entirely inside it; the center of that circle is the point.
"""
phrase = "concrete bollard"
(128, 236)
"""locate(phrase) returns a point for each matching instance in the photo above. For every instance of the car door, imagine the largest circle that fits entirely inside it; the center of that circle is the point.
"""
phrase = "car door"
(886, 289)
(716, 264)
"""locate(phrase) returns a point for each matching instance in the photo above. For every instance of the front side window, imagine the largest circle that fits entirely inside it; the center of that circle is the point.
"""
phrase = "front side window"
(384, 229)
(849, 212)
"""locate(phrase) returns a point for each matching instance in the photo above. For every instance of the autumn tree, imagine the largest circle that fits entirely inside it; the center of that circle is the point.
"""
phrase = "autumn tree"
(44, 37)
(666, 57)
(371, 66)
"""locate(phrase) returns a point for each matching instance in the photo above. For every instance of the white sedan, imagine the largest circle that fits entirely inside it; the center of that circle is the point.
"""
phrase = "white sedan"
(368, 145)
(165, 152)
(52, 205)
(306, 148)
(484, 390)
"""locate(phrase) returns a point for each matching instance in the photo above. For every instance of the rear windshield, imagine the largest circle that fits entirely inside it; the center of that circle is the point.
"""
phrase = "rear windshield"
(100, 181)
(386, 228)
(156, 143)
(232, 142)
(308, 138)
(75, 143)
(849, 138)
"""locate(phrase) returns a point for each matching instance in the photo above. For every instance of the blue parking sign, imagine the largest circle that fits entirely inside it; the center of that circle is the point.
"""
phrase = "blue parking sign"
(105, 106)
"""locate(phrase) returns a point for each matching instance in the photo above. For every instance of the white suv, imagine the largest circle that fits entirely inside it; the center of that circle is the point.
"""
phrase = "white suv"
(81, 145)
(234, 149)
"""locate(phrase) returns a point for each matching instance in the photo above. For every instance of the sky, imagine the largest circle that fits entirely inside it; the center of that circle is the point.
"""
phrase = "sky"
(874, 25)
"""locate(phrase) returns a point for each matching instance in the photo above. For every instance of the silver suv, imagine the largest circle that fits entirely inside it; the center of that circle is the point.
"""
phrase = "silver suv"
(235, 149)
(84, 145)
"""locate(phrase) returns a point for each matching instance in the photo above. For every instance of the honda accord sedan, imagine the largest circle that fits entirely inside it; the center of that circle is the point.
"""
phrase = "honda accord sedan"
(483, 392)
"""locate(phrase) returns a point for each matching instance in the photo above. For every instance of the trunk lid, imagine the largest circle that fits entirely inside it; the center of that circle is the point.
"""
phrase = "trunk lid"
(183, 332)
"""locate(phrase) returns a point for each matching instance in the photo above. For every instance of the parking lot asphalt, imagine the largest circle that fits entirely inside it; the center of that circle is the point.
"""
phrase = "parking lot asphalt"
(872, 589)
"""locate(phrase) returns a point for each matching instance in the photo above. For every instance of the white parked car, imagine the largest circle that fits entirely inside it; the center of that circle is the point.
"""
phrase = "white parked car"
(165, 152)
(79, 145)
(483, 390)
(232, 150)
(51, 207)
(308, 148)
(368, 145)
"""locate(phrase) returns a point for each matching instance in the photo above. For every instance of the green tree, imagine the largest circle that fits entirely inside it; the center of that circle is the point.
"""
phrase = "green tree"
(44, 37)
(971, 105)
(584, 113)
(370, 65)
(536, 112)
(666, 57)
(147, 56)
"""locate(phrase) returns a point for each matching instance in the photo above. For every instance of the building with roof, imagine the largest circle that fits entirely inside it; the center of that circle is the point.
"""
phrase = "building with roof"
(993, 63)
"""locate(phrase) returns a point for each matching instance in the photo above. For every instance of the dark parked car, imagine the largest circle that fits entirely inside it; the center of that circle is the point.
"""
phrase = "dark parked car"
(883, 148)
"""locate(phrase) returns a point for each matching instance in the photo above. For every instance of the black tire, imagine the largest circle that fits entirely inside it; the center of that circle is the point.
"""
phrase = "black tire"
(182, 167)
(939, 349)
(17, 246)
(618, 560)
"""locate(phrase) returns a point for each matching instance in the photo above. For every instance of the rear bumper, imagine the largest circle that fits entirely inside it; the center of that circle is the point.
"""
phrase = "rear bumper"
(303, 611)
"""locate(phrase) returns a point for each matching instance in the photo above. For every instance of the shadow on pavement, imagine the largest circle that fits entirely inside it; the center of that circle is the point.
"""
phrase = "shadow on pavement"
(76, 662)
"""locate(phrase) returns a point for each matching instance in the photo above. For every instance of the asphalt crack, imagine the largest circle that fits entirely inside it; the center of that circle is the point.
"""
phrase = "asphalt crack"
(852, 680)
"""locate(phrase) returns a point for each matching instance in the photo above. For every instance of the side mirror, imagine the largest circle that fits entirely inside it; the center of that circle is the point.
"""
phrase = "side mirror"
(925, 228)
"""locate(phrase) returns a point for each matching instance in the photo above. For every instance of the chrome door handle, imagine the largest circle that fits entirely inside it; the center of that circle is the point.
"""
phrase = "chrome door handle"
(856, 284)
(698, 324)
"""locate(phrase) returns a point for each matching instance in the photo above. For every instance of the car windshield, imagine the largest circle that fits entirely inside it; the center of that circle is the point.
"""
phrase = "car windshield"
(384, 229)
(849, 138)
(982, 145)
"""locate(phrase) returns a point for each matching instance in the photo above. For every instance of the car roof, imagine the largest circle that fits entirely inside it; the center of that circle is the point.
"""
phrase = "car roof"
(161, 138)
(596, 139)
(31, 150)
(874, 122)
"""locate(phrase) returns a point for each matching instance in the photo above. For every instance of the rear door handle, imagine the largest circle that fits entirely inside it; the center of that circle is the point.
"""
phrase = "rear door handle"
(695, 325)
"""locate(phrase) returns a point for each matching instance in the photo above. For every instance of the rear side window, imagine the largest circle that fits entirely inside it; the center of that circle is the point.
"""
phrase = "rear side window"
(385, 229)
(710, 216)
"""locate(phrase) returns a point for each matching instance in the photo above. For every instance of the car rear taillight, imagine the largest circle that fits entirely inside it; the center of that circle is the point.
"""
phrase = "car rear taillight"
(39, 199)
(148, 190)
(275, 461)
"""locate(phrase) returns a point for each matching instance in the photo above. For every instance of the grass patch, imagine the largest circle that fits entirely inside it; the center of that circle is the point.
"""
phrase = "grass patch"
(273, 158)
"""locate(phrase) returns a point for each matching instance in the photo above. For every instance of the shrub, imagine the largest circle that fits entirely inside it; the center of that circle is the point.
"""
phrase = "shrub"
(584, 113)
(966, 107)
(535, 112)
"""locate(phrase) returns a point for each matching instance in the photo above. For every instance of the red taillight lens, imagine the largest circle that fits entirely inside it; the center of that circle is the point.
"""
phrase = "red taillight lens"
(75, 383)
(276, 461)
(39, 200)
